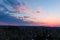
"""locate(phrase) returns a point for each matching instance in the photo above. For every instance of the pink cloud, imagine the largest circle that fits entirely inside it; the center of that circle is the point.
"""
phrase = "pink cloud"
(24, 9)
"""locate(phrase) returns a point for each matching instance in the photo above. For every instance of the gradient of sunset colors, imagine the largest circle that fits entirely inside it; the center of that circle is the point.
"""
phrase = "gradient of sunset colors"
(32, 13)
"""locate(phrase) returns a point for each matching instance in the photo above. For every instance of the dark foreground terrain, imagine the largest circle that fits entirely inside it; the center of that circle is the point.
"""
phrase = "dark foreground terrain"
(29, 33)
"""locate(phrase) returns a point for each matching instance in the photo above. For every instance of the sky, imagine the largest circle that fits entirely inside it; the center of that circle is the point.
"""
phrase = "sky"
(30, 12)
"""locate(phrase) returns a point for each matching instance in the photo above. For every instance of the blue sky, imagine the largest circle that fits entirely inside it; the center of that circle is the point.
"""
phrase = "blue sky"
(49, 10)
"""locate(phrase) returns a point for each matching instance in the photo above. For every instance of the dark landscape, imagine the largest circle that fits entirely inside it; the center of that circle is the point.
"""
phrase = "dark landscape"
(29, 33)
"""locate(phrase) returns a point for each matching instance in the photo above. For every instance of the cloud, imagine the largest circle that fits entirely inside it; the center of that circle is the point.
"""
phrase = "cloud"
(11, 20)
(12, 3)
(8, 19)
(25, 9)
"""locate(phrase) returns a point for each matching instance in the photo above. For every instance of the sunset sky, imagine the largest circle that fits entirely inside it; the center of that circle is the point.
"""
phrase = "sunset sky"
(30, 12)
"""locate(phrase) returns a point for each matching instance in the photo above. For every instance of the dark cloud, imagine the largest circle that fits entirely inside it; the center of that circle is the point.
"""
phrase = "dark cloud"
(26, 16)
